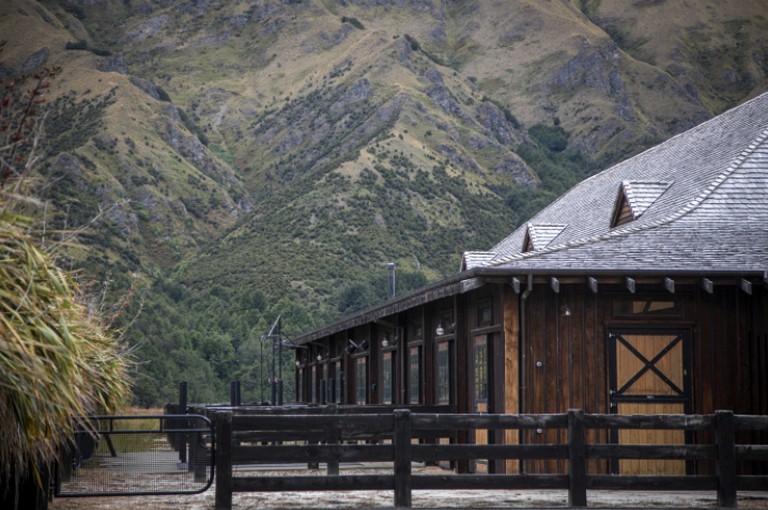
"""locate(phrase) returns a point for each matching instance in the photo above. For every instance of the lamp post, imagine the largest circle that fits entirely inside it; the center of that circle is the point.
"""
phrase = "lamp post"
(275, 380)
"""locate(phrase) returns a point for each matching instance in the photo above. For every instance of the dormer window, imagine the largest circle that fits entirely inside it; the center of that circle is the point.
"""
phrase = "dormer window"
(634, 198)
(539, 236)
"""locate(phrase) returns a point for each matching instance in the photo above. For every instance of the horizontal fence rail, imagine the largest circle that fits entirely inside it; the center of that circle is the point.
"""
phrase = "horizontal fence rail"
(137, 455)
(403, 437)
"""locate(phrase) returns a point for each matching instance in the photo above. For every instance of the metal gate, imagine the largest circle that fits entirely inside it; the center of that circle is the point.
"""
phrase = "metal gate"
(138, 455)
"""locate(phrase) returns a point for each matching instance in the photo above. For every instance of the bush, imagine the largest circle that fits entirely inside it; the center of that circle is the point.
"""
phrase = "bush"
(554, 138)
(354, 22)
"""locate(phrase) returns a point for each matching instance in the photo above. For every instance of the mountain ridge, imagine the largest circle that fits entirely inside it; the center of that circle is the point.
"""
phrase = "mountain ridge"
(278, 154)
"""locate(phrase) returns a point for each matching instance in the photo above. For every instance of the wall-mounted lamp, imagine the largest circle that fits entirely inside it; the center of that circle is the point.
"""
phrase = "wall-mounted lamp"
(444, 329)
(389, 339)
(298, 364)
(319, 357)
(565, 311)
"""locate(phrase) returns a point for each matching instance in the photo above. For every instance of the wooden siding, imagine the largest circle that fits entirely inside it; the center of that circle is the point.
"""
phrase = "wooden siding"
(549, 351)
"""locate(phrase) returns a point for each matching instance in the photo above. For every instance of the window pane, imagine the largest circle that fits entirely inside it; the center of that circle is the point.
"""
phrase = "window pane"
(387, 376)
(361, 380)
(414, 375)
(338, 378)
(648, 307)
(313, 385)
(443, 380)
(481, 369)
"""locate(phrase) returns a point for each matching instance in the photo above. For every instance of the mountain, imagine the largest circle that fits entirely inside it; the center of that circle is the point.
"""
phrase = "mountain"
(239, 159)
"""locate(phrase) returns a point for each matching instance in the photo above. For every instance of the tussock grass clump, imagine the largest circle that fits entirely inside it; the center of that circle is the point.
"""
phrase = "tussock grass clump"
(58, 359)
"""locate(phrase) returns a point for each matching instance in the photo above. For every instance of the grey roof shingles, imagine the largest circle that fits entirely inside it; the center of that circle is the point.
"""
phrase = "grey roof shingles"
(711, 215)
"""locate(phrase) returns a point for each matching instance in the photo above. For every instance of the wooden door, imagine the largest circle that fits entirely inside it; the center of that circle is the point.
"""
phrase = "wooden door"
(649, 375)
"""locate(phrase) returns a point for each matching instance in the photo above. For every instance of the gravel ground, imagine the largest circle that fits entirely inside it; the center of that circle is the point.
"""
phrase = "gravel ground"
(421, 499)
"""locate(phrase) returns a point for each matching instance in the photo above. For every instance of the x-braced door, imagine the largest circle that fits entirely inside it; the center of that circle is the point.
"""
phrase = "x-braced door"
(649, 374)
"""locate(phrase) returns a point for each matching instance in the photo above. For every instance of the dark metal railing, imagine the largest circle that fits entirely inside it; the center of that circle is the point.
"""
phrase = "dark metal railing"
(138, 455)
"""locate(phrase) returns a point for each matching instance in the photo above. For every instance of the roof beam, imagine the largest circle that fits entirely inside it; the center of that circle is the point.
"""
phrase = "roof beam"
(631, 284)
(708, 285)
(746, 286)
(669, 284)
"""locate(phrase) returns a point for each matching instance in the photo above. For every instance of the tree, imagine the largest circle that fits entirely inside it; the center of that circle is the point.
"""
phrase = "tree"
(58, 359)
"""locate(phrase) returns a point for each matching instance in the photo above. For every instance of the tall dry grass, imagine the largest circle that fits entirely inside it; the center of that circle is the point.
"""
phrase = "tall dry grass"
(58, 360)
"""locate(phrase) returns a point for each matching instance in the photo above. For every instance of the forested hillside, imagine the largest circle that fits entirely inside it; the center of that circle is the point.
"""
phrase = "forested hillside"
(236, 160)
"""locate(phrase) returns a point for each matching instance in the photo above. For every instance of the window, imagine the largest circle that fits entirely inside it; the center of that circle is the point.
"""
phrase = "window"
(485, 312)
(313, 385)
(414, 375)
(299, 387)
(387, 376)
(647, 308)
(338, 381)
(443, 379)
(361, 380)
(417, 329)
(481, 368)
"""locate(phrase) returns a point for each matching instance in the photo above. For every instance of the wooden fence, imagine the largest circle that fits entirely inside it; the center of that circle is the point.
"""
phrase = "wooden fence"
(404, 437)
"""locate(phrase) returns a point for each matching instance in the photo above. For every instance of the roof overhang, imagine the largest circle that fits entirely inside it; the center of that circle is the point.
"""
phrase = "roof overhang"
(478, 277)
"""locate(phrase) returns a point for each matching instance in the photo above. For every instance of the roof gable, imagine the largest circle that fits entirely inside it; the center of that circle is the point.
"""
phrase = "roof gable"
(634, 198)
(539, 236)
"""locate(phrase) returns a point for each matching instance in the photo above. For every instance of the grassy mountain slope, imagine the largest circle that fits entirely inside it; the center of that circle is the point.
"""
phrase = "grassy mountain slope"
(245, 158)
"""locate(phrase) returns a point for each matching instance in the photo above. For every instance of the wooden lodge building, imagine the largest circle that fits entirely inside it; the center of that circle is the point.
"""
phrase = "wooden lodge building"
(642, 290)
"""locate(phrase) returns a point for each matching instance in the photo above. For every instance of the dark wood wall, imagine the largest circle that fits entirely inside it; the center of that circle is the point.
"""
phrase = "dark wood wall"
(563, 357)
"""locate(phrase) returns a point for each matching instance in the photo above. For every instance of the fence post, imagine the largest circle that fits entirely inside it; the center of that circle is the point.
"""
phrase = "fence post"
(223, 451)
(725, 432)
(182, 437)
(234, 393)
(198, 458)
(402, 440)
(577, 461)
(332, 437)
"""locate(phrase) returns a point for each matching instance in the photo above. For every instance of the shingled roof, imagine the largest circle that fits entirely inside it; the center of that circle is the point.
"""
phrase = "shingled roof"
(696, 204)
(698, 201)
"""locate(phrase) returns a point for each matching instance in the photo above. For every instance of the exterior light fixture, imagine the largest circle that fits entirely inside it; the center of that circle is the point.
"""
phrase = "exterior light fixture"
(440, 331)
(385, 342)
(319, 357)
(565, 311)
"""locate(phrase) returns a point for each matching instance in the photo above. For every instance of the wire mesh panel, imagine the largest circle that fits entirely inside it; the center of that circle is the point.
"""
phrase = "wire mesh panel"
(138, 455)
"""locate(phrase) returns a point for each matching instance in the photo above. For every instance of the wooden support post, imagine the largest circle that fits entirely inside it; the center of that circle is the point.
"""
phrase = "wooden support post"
(577, 461)
(725, 438)
(402, 440)
(223, 497)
